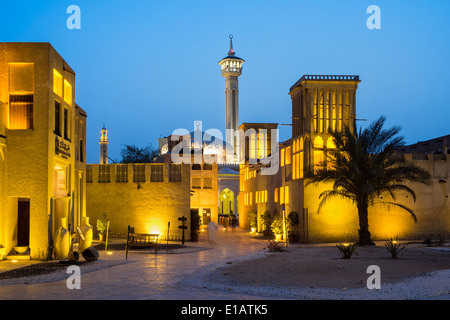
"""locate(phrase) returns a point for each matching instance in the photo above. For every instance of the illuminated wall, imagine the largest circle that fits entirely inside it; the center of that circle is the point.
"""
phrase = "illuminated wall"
(40, 167)
(319, 103)
(339, 221)
(146, 198)
(205, 191)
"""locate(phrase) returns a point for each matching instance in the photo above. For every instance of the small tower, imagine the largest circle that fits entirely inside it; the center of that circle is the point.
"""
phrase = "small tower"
(231, 67)
(104, 146)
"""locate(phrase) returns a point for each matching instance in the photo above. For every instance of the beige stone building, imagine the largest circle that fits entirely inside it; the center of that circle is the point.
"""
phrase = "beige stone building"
(145, 196)
(319, 103)
(42, 149)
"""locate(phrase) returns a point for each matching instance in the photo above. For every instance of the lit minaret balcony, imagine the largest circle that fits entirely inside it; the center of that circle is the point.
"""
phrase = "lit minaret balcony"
(231, 65)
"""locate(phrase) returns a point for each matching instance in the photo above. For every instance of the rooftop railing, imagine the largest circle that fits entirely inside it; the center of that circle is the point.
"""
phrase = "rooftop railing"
(309, 77)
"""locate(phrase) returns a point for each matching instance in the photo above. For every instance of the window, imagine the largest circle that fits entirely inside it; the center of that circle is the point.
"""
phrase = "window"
(21, 111)
(196, 166)
(207, 183)
(318, 142)
(261, 196)
(330, 143)
(81, 151)
(276, 195)
(282, 157)
(122, 173)
(288, 156)
(104, 173)
(207, 166)
(157, 173)
(174, 172)
(88, 173)
(318, 159)
(57, 118)
(196, 183)
(139, 173)
(66, 124)
(67, 93)
(57, 83)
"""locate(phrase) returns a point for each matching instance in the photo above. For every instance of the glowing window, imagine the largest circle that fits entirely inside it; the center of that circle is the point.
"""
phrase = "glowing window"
(318, 142)
(21, 111)
(286, 194)
(318, 159)
(288, 156)
(262, 143)
(57, 83)
(252, 146)
(67, 92)
(295, 167)
(300, 166)
(282, 158)
(276, 195)
(330, 143)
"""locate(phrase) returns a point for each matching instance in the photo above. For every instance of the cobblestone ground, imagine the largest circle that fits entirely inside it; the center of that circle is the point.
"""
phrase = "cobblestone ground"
(148, 276)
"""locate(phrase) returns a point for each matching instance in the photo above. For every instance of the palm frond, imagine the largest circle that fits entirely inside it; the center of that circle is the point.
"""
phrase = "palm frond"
(389, 205)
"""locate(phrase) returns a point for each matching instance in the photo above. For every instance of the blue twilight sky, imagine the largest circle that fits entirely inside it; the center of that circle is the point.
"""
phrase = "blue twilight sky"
(145, 68)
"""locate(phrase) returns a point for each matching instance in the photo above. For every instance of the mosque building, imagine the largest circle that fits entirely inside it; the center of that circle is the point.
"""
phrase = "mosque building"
(46, 186)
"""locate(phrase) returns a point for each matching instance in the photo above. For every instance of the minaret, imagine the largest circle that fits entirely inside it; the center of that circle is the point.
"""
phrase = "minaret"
(104, 146)
(231, 67)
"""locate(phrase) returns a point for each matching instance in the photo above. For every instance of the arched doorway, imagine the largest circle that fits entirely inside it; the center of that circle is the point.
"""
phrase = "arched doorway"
(226, 202)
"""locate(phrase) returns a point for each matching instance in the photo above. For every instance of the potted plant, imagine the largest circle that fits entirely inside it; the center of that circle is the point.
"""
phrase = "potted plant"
(102, 225)
(253, 220)
(266, 223)
(277, 227)
(292, 223)
(195, 225)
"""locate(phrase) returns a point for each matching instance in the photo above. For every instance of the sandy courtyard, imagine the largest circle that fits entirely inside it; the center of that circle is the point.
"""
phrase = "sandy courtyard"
(323, 267)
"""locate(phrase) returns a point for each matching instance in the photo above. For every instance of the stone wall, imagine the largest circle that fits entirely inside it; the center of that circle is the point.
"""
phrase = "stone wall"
(147, 206)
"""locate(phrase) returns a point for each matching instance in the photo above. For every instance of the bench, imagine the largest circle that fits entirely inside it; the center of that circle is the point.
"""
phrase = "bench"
(141, 240)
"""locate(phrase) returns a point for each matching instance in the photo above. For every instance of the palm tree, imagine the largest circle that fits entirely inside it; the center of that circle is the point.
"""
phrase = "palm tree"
(362, 167)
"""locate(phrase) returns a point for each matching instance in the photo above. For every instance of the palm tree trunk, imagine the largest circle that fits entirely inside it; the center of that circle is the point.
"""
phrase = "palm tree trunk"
(364, 234)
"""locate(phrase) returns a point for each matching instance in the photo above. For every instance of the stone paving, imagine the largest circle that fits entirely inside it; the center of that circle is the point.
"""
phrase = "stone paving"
(147, 276)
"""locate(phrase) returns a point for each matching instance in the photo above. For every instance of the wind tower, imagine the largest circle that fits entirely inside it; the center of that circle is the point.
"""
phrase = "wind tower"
(231, 68)
(104, 146)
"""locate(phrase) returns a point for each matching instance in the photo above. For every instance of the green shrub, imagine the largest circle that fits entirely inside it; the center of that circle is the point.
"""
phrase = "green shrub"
(347, 249)
(277, 225)
(102, 224)
(292, 222)
(393, 247)
(195, 225)
(252, 219)
(266, 220)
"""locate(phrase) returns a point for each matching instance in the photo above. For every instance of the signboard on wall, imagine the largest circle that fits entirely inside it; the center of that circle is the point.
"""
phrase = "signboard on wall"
(62, 148)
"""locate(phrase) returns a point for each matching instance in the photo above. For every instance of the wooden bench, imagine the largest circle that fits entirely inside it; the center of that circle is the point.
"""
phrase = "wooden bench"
(141, 240)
